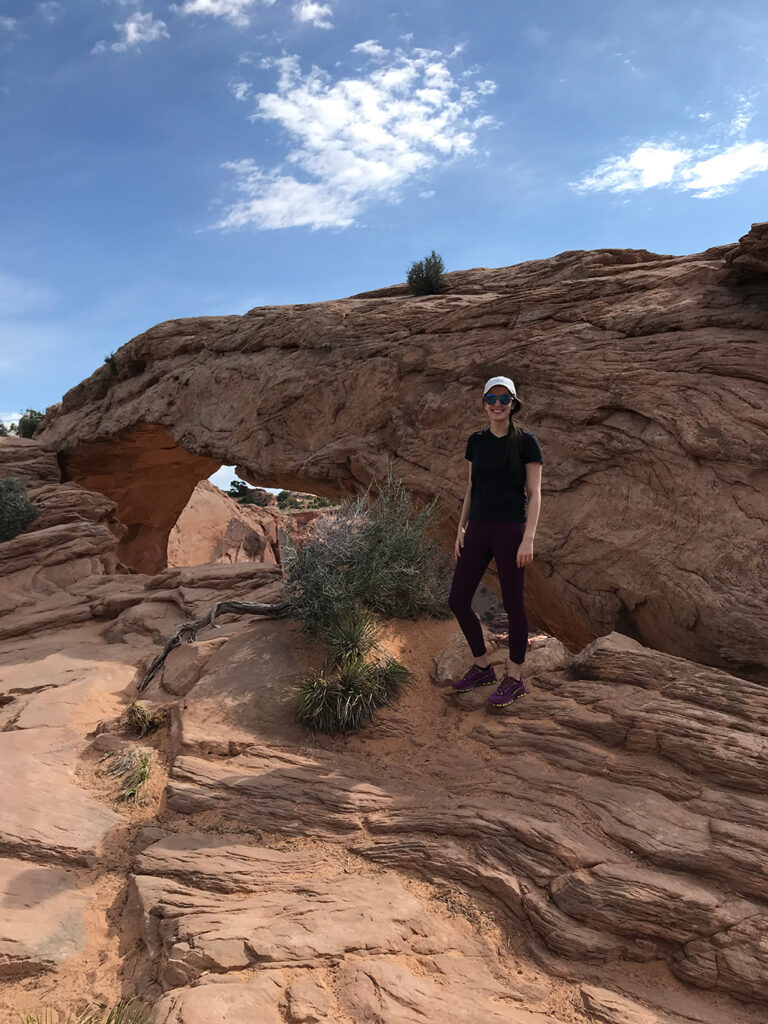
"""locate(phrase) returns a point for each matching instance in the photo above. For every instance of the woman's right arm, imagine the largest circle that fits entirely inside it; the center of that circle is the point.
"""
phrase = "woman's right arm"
(464, 512)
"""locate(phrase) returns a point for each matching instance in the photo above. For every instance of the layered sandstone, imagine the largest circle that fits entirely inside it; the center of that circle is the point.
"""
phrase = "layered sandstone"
(595, 854)
(643, 376)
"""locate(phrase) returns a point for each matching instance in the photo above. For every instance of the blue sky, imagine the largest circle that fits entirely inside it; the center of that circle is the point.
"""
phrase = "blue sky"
(164, 160)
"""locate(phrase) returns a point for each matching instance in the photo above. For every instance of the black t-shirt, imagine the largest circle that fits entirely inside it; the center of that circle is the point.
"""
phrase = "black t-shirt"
(498, 494)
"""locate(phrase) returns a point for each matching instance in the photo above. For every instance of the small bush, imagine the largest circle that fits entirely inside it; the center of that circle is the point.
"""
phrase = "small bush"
(351, 634)
(343, 698)
(427, 276)
(372, 556)
(373, 552)
(287, 499)
(125, 1012)
(29, 422)
(390, 677)
(254, 498)
(134, 767)
(143, 719)
(111, 362)
(16, 510)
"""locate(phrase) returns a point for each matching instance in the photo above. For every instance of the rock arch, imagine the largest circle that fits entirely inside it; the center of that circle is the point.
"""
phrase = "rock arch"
(642, 375)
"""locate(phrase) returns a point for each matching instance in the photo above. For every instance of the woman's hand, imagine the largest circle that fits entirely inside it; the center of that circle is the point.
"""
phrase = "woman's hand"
(459, 545)
(525, 553)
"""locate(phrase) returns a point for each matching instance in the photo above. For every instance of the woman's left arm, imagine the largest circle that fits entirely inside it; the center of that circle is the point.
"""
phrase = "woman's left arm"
(533, 490)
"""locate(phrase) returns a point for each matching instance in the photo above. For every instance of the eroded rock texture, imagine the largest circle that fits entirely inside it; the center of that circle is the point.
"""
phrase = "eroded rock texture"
(597, 854)
(643, 376)
(618, 814)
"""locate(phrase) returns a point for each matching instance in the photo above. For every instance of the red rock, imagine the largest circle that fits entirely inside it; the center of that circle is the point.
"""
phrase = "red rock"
(603, 345)
(214, 528)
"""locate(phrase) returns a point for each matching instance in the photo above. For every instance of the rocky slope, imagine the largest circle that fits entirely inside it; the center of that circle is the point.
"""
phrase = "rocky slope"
(644, 377)
(595, 855)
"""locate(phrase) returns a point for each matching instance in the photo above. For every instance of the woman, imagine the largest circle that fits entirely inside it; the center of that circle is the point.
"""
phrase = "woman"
(498, 519)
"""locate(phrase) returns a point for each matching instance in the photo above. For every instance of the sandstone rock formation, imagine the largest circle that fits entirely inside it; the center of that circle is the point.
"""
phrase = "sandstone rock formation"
(598, 854)
(750, 256)
(644, 377)
(214, 528)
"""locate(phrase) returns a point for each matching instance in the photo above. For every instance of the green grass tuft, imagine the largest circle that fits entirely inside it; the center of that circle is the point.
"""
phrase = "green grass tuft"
(134, 767)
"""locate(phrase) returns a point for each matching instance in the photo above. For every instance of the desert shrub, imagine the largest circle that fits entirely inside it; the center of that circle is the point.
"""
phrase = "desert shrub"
(29, 422)
(142, 718)
(373, 552)
(351, 633)
(427, 277)
(111, 362)
(16, 510)
(245, 495)
(254, 498)
(133, 767)
(390, 678)
(287, 499)
(371, 557)
(124, 1012)
(344, 695)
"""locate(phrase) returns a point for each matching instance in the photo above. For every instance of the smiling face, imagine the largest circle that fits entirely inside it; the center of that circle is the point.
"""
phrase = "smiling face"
(498, 413)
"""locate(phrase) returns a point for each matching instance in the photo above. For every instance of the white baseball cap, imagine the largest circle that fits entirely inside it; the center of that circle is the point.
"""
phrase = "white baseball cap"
(504, 381)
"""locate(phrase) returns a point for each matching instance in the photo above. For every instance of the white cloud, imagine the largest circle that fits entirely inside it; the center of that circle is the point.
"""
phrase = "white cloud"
(280, 201)
(356, 140)
(9, 23)
(721, 173)
(647, 166)
(139, 28)
(705, 170)
(239, 90)
(235, 11)
(370, 47)
(314, 13)
(427, 195)
(50, 11)
(8, 418)
(743, 117)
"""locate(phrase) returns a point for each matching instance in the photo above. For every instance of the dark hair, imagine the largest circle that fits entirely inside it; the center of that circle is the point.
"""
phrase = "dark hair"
(514, 441)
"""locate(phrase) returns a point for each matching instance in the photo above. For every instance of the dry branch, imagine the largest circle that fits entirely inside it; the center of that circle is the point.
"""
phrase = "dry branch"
(188, 630)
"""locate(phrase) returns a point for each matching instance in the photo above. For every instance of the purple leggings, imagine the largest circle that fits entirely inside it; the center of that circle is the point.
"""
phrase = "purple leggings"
(484, 540)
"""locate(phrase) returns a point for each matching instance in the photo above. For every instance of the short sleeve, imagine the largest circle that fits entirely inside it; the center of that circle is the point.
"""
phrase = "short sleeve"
(530, 450)
(470, 445)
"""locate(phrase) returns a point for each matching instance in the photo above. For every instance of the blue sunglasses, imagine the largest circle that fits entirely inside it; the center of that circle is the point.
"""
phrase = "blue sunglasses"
(493, 399)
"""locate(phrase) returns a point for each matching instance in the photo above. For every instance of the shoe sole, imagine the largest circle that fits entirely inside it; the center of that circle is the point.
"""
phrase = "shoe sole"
(506, 704)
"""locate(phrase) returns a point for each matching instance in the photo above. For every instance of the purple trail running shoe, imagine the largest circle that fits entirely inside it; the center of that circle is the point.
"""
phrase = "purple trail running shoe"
(509, 690)
(476, 676)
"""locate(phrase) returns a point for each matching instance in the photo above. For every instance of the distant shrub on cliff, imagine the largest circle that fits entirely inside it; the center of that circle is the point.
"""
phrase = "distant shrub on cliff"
(299, 501)
(29, 422)
(27, 425)
(16, 510)
(427, 276)
(245, 495)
